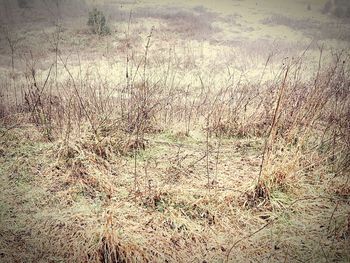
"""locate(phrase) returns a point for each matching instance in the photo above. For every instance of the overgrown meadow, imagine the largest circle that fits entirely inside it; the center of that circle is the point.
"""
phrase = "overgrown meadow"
(139, 131)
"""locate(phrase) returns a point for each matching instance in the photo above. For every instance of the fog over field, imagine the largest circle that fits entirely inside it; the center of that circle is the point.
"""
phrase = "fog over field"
(174, 131)
(240, 33)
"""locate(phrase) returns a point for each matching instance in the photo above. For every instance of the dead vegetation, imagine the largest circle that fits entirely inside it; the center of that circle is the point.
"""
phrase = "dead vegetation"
(173, 163)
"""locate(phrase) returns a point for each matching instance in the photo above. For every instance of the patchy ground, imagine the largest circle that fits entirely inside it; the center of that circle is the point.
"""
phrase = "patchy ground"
(196, 131)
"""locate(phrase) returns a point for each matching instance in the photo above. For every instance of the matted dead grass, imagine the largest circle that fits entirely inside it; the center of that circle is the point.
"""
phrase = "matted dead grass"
(84, 208)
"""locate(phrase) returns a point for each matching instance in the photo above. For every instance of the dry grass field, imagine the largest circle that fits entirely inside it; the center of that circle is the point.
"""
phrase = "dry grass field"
(174, 131)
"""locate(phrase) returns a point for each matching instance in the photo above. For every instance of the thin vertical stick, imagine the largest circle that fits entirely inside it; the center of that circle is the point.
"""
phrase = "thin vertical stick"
(217, 157)
(135, 158)
(128, 90)
(207, 153)
(273, 124)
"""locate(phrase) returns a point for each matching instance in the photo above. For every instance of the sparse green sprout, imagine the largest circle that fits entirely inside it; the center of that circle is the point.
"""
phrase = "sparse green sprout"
(97, 22)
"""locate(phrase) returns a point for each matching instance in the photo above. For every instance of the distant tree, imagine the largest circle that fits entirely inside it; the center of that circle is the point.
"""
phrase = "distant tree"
(338, 12)
(347, 14)
(22, 3)
(97, 22)
(341, 2)
(327, 7)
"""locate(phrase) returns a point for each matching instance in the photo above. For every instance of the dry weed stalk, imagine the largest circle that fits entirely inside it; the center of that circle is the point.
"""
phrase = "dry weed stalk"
(260, 191)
